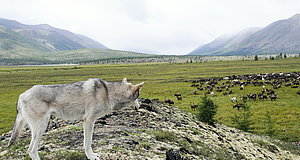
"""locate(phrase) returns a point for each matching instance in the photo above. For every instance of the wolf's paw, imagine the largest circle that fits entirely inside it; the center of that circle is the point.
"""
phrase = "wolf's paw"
(94, 156)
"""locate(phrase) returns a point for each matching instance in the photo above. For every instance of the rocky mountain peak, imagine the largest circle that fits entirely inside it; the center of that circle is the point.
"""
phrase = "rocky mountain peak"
(296, 16)
(44, 26)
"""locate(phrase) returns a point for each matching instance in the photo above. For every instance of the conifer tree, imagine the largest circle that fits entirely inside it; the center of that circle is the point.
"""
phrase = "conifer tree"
(256, 58)
(207, 110)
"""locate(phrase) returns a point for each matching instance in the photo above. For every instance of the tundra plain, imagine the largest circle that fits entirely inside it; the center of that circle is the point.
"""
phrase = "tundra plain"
(162, 81)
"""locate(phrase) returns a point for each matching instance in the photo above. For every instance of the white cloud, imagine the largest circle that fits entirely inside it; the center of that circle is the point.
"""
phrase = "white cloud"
(165, 27)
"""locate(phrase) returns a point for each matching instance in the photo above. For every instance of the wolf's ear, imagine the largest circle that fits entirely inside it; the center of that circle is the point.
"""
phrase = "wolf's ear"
(136, 89)
(139, 86)
(124, 80)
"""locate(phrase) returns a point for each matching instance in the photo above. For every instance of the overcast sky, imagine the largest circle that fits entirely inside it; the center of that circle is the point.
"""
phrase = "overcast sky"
(153, 26)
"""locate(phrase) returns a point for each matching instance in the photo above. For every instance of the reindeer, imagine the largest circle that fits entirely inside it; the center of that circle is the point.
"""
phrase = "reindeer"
(273, 97)
(194, 106)
(178, 96)
(238, 106)
(242, 87)
(233, 99)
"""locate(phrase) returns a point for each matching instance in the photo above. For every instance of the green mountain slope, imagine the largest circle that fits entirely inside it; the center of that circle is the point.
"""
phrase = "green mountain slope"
(13, 41)
(50, 37)
(73, 56)
(86, 55)
(43, 44)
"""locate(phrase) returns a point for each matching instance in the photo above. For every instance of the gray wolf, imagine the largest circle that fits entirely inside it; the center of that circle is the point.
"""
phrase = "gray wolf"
(86, 100)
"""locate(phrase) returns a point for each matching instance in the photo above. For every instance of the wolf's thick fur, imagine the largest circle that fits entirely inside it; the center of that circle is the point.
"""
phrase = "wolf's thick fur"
(87, 100)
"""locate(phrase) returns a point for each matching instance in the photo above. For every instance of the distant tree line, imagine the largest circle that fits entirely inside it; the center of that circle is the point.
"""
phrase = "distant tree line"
(149, 59)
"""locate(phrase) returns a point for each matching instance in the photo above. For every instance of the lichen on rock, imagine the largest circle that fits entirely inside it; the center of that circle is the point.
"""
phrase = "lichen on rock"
(151, 132)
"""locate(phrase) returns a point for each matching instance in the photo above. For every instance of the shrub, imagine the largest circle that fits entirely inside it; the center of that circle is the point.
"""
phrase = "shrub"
(270, 130)
(207, 110)
(242, 120)
(161, 135)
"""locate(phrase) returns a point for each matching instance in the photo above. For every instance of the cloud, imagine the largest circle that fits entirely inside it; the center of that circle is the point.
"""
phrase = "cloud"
(135, 9)
(158, 26)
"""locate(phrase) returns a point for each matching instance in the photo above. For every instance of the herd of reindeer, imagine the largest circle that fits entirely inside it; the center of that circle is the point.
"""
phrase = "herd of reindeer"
(269, 83)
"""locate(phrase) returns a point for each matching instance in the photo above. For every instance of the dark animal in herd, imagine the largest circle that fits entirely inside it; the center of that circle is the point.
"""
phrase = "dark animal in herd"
(178, 96)
(194, 106)
(238, 106)
(273, 97)
(261, 96)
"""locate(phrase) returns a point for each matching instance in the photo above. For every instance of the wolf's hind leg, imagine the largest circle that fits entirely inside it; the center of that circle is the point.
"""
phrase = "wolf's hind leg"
(37, 125)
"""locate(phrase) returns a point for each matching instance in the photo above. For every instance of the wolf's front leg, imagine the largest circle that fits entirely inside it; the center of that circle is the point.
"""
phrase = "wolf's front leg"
(88, 126)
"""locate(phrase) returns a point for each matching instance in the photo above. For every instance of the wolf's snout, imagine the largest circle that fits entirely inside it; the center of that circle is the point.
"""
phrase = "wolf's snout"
(136, 105)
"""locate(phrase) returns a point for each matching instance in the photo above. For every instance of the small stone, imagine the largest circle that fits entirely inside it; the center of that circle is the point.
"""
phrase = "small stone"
(173, 155)
(273, 148)
(188, 139)
(184, 150)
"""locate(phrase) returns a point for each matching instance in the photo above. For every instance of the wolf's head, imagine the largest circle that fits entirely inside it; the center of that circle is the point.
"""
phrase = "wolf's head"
(128, 95)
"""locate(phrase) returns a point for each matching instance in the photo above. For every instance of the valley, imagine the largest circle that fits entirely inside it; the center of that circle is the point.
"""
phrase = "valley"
(162, 81)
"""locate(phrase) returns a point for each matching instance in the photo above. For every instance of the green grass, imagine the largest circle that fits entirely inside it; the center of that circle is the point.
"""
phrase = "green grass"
(163, 81)
(161, 135)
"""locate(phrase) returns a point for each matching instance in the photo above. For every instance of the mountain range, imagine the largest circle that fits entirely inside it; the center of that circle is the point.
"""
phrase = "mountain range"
(42, 37)
(43, 43)
(39, 44)
(282, 36)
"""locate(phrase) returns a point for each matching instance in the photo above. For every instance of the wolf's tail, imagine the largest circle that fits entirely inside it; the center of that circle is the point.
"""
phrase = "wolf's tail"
(18, 126)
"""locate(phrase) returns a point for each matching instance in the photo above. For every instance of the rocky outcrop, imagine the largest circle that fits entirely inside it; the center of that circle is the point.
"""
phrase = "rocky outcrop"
(154, 131)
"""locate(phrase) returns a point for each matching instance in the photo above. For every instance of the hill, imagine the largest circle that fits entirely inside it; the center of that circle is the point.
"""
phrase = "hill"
(86, 55)
(155, 131)
(90, 55)
(43, 44)
(217, 46)
(279, 37)
(42, 37)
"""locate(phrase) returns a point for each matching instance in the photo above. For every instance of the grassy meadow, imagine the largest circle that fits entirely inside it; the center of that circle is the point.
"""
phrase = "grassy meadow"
(163, 80)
